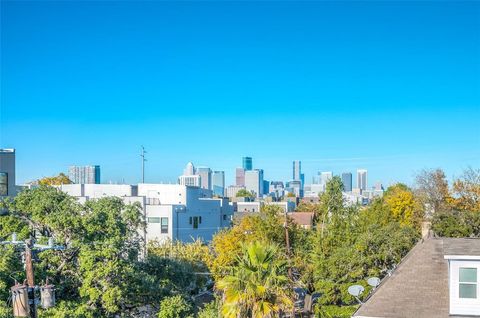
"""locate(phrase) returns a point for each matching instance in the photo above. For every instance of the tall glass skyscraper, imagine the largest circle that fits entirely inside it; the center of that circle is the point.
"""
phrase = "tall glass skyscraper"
(218, 183)
(362, 181)
(297, 170)
(347, 181)
(84, 174)
(247, 163)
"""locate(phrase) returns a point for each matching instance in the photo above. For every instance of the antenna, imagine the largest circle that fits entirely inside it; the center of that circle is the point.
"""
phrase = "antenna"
(142, 154)
(355, 291)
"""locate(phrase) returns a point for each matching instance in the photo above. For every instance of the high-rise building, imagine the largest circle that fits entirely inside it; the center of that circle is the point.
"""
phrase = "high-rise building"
(7, 172)
(240, 177)
(347, 181)
(218, 183)
(325, 177)
(362, 181)
(189, 178)
(84, 174)
(297, 170)
(205, 177)
(254, 181)
(189, 169)
(247, 163)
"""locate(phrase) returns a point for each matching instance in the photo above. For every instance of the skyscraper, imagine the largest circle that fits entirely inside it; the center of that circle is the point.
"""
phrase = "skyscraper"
(206, 177)
(325, 176)
(297, 170)
(240, 177)
(254, 181)
(362, 181)
(247, 163)
(189, 169)
(84, 174)
(347, 181)
(218, 183)
(7, 172)
(189, 178)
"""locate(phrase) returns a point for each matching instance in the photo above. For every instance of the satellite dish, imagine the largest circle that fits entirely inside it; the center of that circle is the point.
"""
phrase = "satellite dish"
(355, 290)
(373, 281)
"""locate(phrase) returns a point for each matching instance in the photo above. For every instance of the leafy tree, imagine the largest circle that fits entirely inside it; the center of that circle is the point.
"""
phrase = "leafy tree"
(403, 206)
(55, 180)
(244, 193)
(211, 310)
(466, 191)
(257, 285)
(175, 307)
(432, 188)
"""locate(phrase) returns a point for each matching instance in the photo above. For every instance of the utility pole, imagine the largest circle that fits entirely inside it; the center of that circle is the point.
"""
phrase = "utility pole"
(30, 277)
(142, 154)
(287, 242)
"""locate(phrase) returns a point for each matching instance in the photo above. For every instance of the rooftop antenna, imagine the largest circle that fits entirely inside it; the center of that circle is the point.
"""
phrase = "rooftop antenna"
(355, 291)
(143, 163)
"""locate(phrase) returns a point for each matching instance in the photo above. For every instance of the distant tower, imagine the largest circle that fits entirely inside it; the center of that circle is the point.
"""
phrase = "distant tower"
(218, 183)
(206, 177)
(347, 181)
(240, 177)
(247, 163)
(297, 170)
(189, 169)
(7, 172)
(84, 174)
(362, 181)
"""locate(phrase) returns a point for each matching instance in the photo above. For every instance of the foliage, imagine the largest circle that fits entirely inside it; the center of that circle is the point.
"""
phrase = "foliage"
(211, 310)
(466, 191)
(403, 206)
(175, 307)
(335, 311)
(432, 189)
(55, 180)
(244, 193)
(257, 285)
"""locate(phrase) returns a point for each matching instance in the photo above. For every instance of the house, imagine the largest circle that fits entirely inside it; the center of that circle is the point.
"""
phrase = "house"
(439, 277)
(304, 219)
(172, 211)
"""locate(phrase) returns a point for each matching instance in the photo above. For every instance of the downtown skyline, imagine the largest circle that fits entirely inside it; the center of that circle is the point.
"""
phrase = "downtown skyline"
(392, 88)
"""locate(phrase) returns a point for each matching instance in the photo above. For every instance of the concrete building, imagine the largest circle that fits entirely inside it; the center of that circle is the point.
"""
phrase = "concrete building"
(347, 181)
(84, 174)
(276, 189)
(254, 206)
(325, 176)
(189, 178)
(240, 177)
(173, 212)
(7, 173)
(247, 163)
(254, 181)
(362, 181)
(231, 191)
(295, 187)
(218, 183)
(205, 177)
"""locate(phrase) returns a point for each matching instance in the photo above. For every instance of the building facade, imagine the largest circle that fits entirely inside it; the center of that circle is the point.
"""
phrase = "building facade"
(240, 177)
(347, 181)
(297, 170)
(84, 174)
(7, 173)
(218, 183)
(362, 181)
(254, 182)
(205, 177)
(173, 212)
(247, 163)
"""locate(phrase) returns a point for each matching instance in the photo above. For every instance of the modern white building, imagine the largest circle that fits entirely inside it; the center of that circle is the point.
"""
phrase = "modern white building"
(7, 173)
(231, 191)
(325, 176)
(173, 212)
(362, 181)
(254, 181)
(84, 174)
(189, 178)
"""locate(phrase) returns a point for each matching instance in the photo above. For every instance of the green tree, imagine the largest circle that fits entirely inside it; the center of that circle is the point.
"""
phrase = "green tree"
(55, 180)
(257, 285)
(175, 307)
(244, 193)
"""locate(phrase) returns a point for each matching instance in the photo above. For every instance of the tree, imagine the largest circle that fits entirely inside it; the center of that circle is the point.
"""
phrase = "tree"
(55, 180)
(244, 193)
(403, 206)
(432, 189)
(466, 191)
(256, 285)
(175, 307)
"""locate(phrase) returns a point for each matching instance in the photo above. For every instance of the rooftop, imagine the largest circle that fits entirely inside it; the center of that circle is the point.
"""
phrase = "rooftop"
(419, 285)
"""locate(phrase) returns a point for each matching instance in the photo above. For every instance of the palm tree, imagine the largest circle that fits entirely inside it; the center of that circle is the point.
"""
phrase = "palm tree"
(257, 286)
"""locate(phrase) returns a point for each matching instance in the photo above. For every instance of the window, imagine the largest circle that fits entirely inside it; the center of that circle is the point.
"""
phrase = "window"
(190, 221)
(195, 222)
(467, 282)
(153, 220)
(200, 219)
(224, 217)
(3, 184)
(163, 225)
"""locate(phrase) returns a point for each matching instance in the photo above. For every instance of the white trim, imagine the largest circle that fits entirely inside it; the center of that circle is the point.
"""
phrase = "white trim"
(463, 257)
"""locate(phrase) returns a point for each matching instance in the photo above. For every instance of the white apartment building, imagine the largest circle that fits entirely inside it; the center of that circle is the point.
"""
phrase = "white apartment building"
(173, 212)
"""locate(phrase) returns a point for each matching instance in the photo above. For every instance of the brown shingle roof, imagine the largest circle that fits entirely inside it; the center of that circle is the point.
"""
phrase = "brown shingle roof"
(302, 218)
(419, 286)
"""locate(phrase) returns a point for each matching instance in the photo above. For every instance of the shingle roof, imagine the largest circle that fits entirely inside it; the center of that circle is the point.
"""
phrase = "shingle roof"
(302, 218)
(419, 286)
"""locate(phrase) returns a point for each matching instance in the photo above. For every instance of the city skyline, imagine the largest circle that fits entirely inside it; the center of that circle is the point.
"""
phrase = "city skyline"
(389, 87)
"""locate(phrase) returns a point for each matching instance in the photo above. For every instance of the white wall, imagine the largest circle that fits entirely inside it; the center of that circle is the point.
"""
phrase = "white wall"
(463, 306)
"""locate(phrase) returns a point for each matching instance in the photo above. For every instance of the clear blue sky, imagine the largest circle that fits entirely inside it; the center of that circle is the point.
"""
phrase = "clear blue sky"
(393, 87)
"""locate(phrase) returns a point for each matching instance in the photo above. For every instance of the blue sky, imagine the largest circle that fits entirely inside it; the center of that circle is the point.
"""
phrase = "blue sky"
(393, 87)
